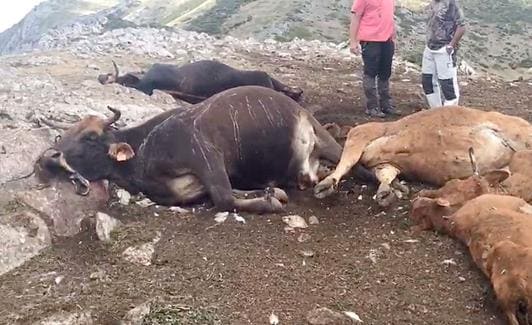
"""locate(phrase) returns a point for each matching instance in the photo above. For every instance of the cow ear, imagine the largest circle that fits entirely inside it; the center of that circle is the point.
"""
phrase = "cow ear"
(121, 151)
(496, 177)
(443, 202)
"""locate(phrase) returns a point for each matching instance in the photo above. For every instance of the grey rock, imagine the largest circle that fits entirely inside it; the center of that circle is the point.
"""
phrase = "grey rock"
(136, 315)
(325, 316)
(63, 207)
(105, 224)
(22, 236)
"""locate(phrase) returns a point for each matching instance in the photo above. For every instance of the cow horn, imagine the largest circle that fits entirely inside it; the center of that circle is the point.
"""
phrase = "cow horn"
(115, 66)
(473, 161)
(54, 124)
(114, 118)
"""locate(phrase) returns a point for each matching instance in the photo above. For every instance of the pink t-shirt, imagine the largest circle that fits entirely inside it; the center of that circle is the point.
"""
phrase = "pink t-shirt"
(376, 22)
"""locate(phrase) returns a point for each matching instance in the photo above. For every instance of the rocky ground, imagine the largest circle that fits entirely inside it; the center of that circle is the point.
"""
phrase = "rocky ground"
(174, 266)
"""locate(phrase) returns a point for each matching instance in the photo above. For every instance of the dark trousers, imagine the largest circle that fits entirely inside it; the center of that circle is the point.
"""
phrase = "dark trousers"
(377, 57)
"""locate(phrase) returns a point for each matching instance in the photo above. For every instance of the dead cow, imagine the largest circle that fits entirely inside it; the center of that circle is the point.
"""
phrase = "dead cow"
(245, 138)
(449, 198)
(498, 231)
(197, 81)
(430, 146)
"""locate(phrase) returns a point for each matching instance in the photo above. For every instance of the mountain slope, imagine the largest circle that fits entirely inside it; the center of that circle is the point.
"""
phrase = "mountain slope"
(497, 39)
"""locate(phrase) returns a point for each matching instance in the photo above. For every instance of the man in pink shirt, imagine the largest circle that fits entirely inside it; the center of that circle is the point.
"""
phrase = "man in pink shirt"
(373, 30)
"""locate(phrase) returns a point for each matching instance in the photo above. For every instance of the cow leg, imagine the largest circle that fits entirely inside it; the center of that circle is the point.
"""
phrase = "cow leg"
(213, 175)
(294, 93)
(356, 142)
(386, 174)
(276, 192)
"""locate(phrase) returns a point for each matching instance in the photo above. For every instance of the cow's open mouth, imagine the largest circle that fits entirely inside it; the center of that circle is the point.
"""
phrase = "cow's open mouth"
(81, 184)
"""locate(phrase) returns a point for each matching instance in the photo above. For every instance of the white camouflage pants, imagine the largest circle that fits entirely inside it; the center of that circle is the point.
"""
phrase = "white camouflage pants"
(439, 76)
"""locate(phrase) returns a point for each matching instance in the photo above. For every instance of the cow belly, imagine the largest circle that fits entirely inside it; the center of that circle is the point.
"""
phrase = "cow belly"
(437, 156)
(186, 189)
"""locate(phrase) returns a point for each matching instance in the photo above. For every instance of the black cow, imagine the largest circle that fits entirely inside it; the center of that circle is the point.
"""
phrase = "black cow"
(197, 81)
(245, 138)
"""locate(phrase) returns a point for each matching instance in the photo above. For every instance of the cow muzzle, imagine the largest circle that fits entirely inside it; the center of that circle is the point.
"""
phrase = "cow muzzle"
(53, 159)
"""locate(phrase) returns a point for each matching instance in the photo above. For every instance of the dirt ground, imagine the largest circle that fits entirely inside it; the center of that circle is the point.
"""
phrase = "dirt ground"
(364, 260)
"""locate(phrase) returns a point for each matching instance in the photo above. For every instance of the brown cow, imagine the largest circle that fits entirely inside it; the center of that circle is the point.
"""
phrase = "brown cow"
(430, 146)
(455, 193)
(498, 231)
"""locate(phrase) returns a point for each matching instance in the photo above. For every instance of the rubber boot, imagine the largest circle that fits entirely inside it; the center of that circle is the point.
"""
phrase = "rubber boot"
(385, 100)
(372, 102)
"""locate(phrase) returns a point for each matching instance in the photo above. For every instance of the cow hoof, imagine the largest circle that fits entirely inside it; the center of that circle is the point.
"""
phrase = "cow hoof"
(405, 191)
(275, 192)
(325, 188)
(385, 198)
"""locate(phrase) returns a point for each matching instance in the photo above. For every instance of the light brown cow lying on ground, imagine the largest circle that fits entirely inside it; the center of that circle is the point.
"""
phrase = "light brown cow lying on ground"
(430, 146)
(498, 231)
(449, 198)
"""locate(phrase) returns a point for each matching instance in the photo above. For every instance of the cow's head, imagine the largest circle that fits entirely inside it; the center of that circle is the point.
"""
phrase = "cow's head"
(509, 266)
(430, 207)
(127, 80)
(87, 151)
(294, 93)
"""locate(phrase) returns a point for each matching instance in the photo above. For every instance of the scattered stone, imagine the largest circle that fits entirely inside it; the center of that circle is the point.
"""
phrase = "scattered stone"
(449, 262)
(136, 315)
(141, 254)
(461, 279)
(353, 316)
(386, 246)
(123, 196)
(372, 256)
(105, 224)
(313, 220)
(295, 221)
(325, 316)
(303, 238)
(239, 218)
(220, 217)
(145, 203)
(274, 320)
(22, 236)
(64, 318)
(307, 253)
(59, 279)
(179, 210)
(411, 241)
(98, 276)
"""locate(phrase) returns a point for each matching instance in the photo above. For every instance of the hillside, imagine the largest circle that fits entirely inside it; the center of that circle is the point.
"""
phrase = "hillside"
(181, 266)
(497, 41)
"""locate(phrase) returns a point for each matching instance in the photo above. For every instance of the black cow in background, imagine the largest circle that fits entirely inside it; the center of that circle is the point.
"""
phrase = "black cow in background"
(197, 81)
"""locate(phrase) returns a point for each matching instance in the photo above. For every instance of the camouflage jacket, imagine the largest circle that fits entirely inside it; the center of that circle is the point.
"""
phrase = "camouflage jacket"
(443, 18)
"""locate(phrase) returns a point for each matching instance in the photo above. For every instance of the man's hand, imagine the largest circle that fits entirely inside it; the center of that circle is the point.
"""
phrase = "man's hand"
(355, 48)
(450, 49)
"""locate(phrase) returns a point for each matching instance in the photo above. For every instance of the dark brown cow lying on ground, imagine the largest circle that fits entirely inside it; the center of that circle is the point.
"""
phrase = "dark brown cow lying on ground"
(197, 81)
(430, 146)
(244, 138)
(498, 231)
(449, 198)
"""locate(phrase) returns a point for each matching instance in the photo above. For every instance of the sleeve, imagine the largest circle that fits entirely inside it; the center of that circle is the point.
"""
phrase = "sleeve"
(358, 7)
(459, 15)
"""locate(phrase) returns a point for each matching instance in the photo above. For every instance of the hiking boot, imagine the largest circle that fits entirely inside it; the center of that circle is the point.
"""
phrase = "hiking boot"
(385, 100)
(370, 90)
(375, 112)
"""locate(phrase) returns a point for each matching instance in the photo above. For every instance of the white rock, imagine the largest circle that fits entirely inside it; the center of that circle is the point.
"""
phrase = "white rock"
(353, 316)
(313, 220)
(136, 315)
(295, 221)
(64, 318)
(140, 254)
(274, 320)
(105, 224)
(123, 196)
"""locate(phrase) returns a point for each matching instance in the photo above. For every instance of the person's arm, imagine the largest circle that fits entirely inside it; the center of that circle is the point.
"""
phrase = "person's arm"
(357, 10)
(460, 29)
(353, 33)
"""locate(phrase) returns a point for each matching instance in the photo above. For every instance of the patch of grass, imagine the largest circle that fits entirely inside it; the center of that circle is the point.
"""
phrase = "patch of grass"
(211, 21)
(176, 315)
